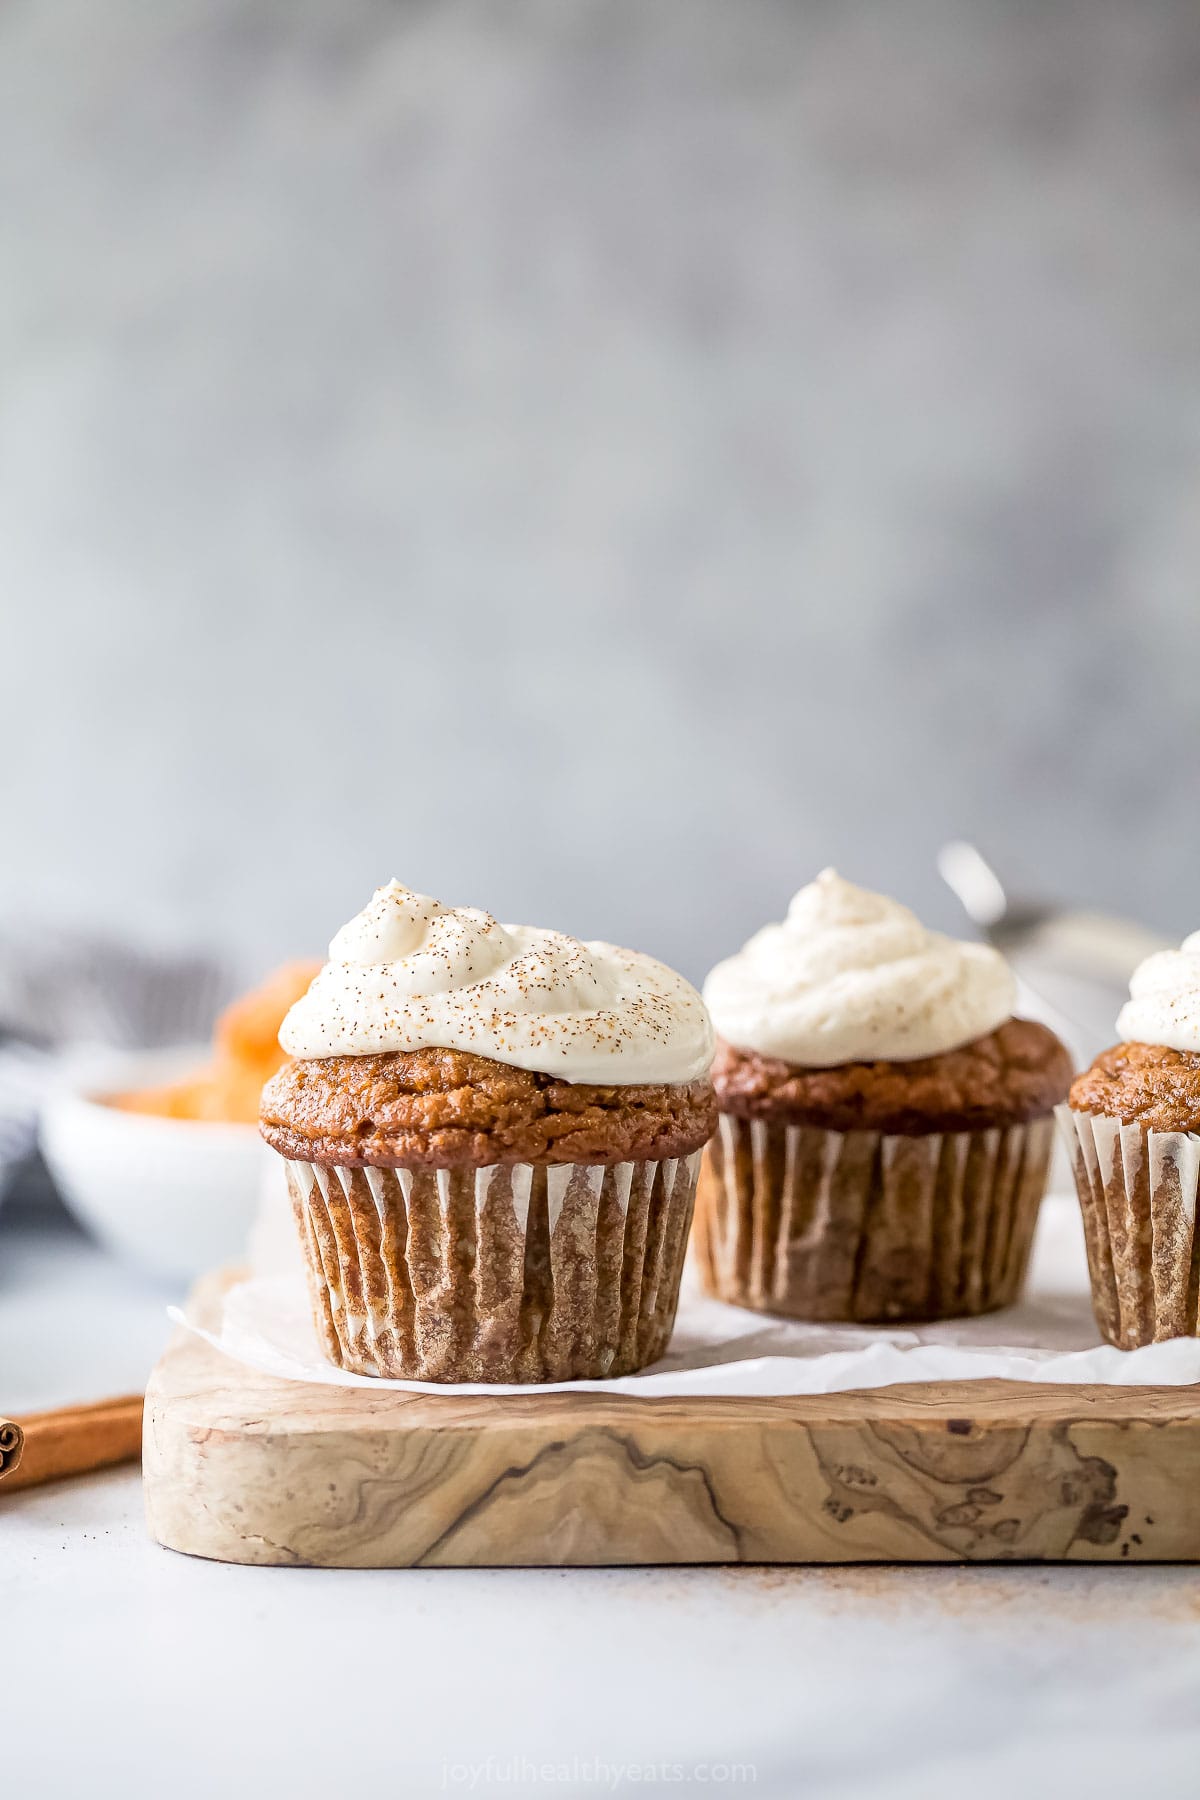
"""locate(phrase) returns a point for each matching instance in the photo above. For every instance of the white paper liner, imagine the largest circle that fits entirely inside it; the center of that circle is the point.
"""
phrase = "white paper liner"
(1137, 1193)
(717, 1349)
(869, 1227)
(511, 1272)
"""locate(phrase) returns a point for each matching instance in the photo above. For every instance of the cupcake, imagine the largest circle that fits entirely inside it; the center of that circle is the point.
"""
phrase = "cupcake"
(1133, 1124)
(492, 1139)
(886, 1124)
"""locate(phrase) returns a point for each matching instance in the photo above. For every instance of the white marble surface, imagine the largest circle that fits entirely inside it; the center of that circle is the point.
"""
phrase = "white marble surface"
(187, 1678)
(74, 1324)
(126, 1670)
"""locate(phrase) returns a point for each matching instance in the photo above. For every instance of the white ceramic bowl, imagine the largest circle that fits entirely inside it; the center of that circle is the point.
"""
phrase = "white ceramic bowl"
(174, 1196)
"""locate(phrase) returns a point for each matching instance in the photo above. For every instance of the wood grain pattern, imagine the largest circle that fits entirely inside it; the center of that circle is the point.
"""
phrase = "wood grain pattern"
(247, 1468)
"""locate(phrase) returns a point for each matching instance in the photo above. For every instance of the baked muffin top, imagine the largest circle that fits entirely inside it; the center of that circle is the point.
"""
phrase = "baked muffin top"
(1151, 1085)
(451, 1109)
(1018, 1072)
(435, 1037)
(1152, 1079)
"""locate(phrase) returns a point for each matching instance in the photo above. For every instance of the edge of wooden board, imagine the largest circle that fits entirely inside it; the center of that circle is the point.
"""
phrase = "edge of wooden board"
(245, 1467)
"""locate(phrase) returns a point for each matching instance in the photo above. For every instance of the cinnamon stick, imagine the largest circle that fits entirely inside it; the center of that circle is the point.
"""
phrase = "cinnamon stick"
(12, 1442)
(72, 1440)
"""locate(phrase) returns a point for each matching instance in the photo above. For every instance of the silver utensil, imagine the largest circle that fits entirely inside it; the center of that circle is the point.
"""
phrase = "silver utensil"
(1073, 966)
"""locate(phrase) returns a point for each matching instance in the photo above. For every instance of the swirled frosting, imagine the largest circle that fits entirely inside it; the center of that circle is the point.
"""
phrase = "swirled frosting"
(851, 976)
(1164, 999)
(410, 974)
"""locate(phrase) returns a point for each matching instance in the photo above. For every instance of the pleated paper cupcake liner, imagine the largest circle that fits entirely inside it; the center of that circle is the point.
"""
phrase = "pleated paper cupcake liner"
(1137, 1191)
(863, 1226)
(522, 1273)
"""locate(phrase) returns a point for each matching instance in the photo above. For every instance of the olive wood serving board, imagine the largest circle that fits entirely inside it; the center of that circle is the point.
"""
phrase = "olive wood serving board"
(247, 1468)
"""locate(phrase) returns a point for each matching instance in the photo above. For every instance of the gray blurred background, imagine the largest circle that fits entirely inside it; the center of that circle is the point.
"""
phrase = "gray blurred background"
(596, 459)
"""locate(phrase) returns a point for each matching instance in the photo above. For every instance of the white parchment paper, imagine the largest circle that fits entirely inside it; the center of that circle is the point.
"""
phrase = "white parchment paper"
(719, 1349)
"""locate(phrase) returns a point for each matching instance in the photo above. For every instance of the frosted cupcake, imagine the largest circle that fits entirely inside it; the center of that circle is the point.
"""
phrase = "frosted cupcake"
(886, 1124)
(492, 1139)
(1134, 1128)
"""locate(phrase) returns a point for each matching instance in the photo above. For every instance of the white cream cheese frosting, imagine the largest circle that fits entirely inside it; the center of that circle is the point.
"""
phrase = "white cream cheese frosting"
(851, 976)
(1164, 999)
(410, 974)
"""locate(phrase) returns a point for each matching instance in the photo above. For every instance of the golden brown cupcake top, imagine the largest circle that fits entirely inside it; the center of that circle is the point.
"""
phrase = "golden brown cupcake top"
(1142, 1084)
(1018, 1072)
(453, 1109)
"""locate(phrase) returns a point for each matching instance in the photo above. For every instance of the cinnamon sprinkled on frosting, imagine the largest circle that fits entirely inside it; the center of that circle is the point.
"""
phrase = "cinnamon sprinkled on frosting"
(1164, 999)
(410, 974)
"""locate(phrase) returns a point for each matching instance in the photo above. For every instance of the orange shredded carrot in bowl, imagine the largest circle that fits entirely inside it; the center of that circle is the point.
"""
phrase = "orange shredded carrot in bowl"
(246, 1055)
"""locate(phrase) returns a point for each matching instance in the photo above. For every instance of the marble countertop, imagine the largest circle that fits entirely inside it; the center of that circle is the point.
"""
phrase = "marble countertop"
(188, 1678)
